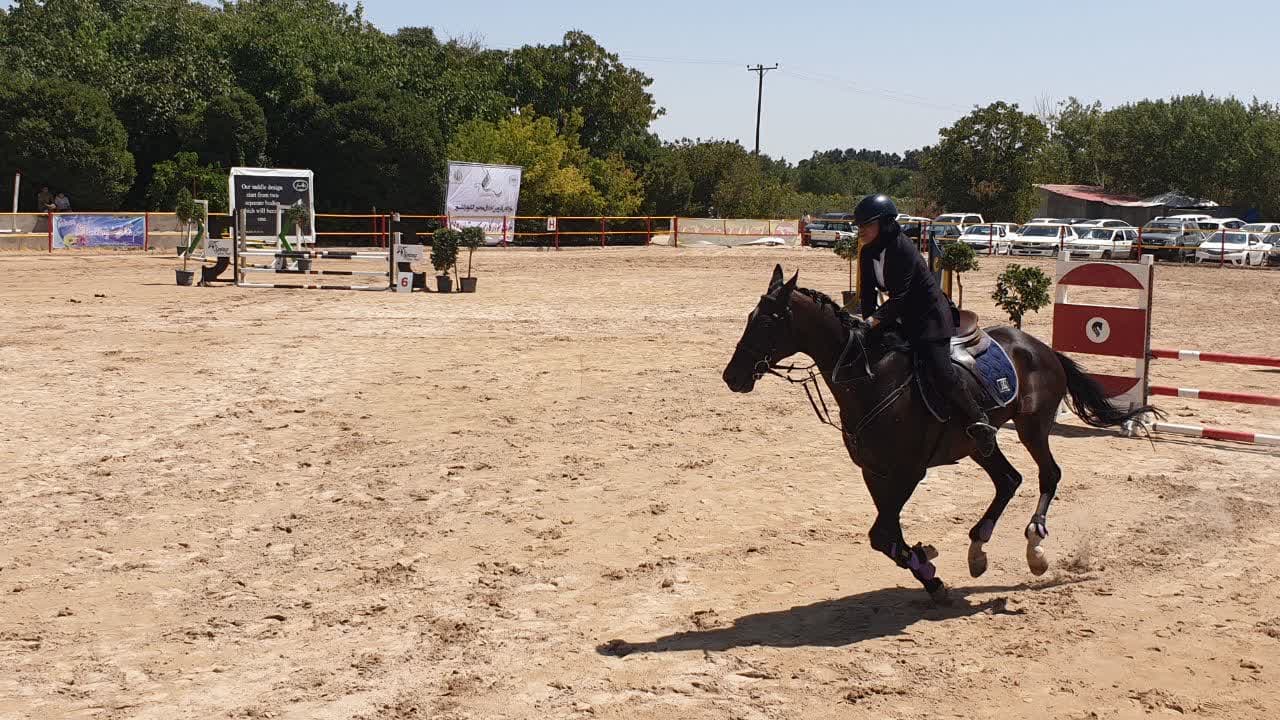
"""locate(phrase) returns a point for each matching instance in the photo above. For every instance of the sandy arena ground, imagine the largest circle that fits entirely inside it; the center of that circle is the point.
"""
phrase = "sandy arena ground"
(224, 503)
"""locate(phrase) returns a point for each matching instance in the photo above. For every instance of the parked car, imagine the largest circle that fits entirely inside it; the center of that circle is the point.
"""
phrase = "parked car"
(962, 219)
(1043, 239)
(1214, 225)
(945, 233)
(1235, 247)
(1273, 255)
(989, 237)
(912, 225)
(1196, 217)
(1043, 221)
(826, 230)
(1105, 222)
(1264, 228)
(1171, 239)
(1105, 243)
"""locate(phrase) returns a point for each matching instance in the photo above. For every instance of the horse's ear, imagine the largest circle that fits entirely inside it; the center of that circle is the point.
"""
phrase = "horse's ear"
(777, 278)
(791, 284)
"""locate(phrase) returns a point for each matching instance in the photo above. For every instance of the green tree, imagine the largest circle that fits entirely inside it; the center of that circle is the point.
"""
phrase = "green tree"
(231, 130)
(987, 162)
(64, 135)
(578, 77)
(1190, 144)
(383, 152)
(558, 173)
(185, 173)
(1021, 289)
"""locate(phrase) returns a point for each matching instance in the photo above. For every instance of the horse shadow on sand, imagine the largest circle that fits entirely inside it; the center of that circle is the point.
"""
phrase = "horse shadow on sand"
(833, 623)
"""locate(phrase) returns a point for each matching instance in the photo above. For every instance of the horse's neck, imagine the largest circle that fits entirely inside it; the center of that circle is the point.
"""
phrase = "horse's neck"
(823, 338)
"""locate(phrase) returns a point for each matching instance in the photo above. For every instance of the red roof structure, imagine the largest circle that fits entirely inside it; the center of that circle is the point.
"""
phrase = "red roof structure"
(1094, 193)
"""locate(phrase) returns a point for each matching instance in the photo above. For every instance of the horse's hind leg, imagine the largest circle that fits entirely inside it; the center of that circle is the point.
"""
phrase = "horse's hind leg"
(1033, 430)
(1006, 480)
(890, 494)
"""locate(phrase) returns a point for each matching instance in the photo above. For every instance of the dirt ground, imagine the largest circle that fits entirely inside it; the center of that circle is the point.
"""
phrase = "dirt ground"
(292, 504)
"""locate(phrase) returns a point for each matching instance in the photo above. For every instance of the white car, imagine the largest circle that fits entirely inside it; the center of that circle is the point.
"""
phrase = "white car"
(964, 220)
(1194, 218)
(827, 231)
(1103, 243)
(1217, 225)
(1105, 222)
(989, 237)
(1042, 239)
(1264, 228)
(1235, 247)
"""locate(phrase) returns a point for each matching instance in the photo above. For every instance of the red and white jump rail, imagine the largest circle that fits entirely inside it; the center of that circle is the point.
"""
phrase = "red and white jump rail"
(1215, 357)
(1125, 331)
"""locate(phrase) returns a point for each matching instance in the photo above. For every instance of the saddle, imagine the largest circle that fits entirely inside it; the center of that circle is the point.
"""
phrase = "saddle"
(992, 372)
(969, 342)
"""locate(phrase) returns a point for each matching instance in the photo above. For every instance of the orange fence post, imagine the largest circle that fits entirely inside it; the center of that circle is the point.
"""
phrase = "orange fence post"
(675, 231)
(504, 231)
(1222, 258)
(50, 215)
(146, 231)
(648, 230)
(602, 231)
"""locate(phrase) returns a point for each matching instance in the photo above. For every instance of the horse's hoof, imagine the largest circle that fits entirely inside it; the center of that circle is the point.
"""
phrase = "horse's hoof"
(977, 560)
(1036, 560)
(940, 594)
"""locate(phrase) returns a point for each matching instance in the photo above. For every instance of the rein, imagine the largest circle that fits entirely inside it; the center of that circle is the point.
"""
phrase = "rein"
(813, 389)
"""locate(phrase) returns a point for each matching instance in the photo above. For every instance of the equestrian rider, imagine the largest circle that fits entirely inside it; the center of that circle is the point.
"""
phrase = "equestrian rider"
(924, 315)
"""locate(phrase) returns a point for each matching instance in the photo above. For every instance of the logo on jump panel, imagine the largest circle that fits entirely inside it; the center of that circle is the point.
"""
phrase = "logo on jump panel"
(300, 185)
(1098, 330)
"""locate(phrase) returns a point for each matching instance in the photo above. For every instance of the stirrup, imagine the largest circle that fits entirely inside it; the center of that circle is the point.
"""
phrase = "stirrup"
(984, 435)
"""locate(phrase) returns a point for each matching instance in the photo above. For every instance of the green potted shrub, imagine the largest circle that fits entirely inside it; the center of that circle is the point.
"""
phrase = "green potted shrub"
(957, 258)
(187, 212)
(1019, 289)
(846, 248)
(444, 255)
(472, 238)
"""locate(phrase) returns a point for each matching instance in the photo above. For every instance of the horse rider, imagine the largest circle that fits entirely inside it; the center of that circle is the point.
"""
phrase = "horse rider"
(926, 317)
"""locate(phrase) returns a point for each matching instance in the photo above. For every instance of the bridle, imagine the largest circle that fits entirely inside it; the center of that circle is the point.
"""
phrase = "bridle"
(812, 388)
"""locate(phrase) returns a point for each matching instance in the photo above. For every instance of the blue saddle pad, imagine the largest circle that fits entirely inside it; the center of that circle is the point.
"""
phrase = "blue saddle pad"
(994, 375)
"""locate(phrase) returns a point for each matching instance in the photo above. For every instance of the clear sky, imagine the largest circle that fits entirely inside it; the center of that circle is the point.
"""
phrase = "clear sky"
(884, 75)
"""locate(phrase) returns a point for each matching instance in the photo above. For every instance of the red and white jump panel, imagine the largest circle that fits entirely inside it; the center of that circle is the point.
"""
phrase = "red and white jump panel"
(1206, 433)
(1198, 356)
(1231, 397)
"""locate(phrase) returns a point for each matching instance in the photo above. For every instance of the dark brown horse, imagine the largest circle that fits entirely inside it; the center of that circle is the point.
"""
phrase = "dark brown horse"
(890, 433)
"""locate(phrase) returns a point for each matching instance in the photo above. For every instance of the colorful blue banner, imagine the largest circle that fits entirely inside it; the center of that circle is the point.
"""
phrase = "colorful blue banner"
(72, 231)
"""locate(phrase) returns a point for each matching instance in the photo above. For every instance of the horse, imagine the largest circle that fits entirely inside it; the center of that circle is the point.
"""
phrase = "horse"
(890, 433)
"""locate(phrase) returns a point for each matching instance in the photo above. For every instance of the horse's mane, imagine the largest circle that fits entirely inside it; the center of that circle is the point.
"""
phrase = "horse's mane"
(890, 340)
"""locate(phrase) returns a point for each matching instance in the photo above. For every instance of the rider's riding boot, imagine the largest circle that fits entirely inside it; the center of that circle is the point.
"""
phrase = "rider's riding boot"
(979, 425)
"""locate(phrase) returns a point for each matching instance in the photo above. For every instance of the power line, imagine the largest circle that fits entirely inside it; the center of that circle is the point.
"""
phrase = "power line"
(760, 70)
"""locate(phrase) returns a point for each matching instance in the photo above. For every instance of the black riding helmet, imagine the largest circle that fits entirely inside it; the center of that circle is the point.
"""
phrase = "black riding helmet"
(875, 207)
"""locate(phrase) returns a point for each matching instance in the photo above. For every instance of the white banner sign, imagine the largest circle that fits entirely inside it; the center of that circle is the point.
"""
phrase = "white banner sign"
(218, 248)
(410, 253)
(484, 195)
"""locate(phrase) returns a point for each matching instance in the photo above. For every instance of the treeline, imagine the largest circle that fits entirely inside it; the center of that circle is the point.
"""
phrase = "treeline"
(121, 103)
(1219, 149)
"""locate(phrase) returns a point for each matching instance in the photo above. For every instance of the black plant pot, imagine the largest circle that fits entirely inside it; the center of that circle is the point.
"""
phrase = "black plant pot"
(444, 284)
(468, 284)
(185, 277)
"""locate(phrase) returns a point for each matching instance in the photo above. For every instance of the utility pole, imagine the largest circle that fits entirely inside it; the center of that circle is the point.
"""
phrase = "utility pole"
(761, 70)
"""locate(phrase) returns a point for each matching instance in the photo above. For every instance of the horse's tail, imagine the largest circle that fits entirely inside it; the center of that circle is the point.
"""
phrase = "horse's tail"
(1088, 400)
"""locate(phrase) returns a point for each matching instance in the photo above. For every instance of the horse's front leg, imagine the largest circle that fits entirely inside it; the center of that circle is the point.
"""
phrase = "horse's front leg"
(890, 494)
